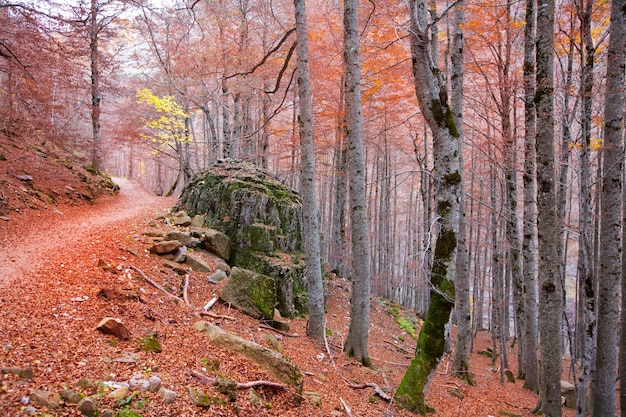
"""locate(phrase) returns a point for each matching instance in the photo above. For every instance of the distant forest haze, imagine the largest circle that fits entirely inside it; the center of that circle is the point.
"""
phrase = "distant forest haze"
(463, 159)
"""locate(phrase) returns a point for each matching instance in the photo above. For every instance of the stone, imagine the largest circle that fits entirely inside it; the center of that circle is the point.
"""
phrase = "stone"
(107, 413)
(29, 410)
(50, 400)
(114, 327)
(250, 292)
(167, 246)
(24, 178)
(197, 263)
(152, 384)
(255, 400)
(153, 233)
(71, 396)
(313, 398)
(273, 342)
(182, 220)
(23, 373)
(88, 406)
(198, 398)
(277, 365)
(217, 243)
(568, 391)
(198, 221)
(119, 393)
(185, 239)
(176, 267)
(167, 395)
(180, 255)
(217, 276)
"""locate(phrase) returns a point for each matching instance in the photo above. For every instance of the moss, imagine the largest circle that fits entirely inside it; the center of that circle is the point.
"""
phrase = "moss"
(453, 178)
(444, 117)
(149, 343)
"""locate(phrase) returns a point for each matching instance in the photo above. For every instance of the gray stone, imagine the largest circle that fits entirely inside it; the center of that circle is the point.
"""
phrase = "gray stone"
(114, 327)
(217, 276)
(71, 396)
(153, 233)
(217, 243)
(185, 239)
(29, 410)
(24, 178)
(313, 397)
(569, 392)
(198, 221)
(167, 246)
(167, 395)
(180, 255)
(107, 413)
(197, 263)
(250, 292)
(23, 373)
(88, 406)
(199, 398)
(151, 384)
(182, 220)
(175, 266)
(121, 392)
(51, 400)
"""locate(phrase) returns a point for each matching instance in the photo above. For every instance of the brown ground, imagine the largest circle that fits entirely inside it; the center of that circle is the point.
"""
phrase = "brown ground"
(49, 307)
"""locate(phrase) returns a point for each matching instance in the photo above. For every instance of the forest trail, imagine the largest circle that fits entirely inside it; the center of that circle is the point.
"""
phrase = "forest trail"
(28, 241)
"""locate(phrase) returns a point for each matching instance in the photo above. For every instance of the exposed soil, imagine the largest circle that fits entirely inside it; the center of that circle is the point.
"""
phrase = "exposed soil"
(51, 300)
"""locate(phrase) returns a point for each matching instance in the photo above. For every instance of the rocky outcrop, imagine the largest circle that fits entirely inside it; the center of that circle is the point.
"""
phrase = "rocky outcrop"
(263, 220)
(250, 292)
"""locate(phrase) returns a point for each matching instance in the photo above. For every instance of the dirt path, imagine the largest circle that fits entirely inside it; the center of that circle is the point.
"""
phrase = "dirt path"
(26, 241)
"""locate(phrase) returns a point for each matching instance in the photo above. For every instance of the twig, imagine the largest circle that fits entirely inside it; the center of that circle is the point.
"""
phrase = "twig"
(330, 354)
(379, 391)
(154, 284)
(345, 406)
(185, 289)
(400, 348)
(240, 385)
(210, 304)
(265, 326)
(217, 316)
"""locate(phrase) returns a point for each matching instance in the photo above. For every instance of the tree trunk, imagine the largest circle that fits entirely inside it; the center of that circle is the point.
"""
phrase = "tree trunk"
(358, 333)
(550, 290)
(94, 32)
(610, 228)
(462, 280)
(311, 234)
(433, 102)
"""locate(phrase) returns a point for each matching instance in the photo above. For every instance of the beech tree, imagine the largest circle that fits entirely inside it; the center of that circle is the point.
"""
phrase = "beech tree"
(358, 333)
(311, 234)
(433, 101)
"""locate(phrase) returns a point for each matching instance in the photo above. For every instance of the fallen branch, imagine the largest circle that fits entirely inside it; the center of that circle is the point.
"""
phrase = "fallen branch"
(240, 385)
(266, 326)
(400, 348)
(217, 316)
(185, 289)
(345, 406)
(330, 354)
(210, 304)
(155, 285)
(379, 391)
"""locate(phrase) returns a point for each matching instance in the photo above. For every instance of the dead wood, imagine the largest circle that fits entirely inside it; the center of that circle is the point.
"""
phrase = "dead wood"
(185, 290)
(217, 316)
(400, 348)
(155, 285)
(345, 407)
(266, 326)
(240, 385)
(210, 304)
(377, 389)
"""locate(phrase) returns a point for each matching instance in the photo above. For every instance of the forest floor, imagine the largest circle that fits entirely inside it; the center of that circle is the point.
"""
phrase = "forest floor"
(53, 293)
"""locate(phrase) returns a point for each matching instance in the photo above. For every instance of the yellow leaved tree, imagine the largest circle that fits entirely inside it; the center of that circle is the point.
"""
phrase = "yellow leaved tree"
(168, 128)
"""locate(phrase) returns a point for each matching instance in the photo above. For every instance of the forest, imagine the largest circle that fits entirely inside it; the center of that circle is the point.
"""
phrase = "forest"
(463, 159)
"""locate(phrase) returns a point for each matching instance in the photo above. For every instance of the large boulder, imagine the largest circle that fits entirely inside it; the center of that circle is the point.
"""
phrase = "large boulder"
(253, 293)
(263, 220)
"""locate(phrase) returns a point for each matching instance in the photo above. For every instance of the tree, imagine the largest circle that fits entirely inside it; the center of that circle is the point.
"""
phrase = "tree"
(358, 332)
(610, 228)
(433, 101)
(311, 235)
(550, 288)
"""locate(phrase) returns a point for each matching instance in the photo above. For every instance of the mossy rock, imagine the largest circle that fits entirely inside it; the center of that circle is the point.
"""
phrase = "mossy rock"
(250, 292)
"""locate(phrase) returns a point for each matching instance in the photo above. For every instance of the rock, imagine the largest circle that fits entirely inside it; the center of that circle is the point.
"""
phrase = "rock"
(152, 384)
(568, 391)
(168, 396)
(313, 397)
(182, 219)
(114, 327)
(29, 410)
(198, 221)
(176, 267)
(118, 394)
(252, 293)
(23, 373)
(221, 265)
(180, 255)
(50, 400)
(277, 365)
(88, 406)
(167, 246)
(273, 342)
(24, 178)
(5, 218)
(197, 264)
(217, 276)
(71, 396)
(128, 357)
(255, 400)
(217, 243)
(153, 233)
(105, 266)
(185, 239)
(149, 343)
(107, 413)
(198, 398)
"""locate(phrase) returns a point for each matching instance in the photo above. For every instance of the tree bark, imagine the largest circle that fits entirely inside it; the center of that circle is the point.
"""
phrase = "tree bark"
(610, 226)
(311, 235)
(550, 290)
(433, 102)
(94, 55)
(358, 333)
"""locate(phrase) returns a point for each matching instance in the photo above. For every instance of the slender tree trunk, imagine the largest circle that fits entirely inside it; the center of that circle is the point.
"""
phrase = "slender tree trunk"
(550, 290)
(610, 245)
(311, 235)
(94, 32)
(462, 280)
(531, 376)
(358, 333)
(433, 101)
